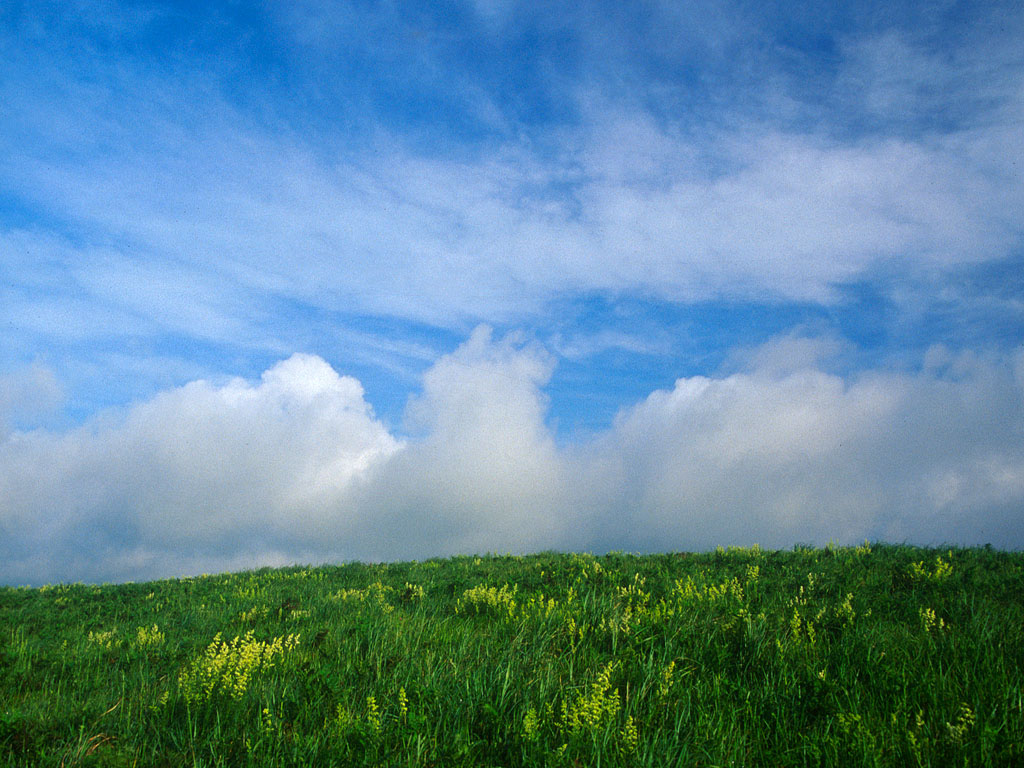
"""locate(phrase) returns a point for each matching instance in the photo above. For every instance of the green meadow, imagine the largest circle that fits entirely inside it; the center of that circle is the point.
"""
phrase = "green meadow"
(863, 656)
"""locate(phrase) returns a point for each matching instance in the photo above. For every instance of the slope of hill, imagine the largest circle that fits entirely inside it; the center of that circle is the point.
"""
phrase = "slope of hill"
(874, 655)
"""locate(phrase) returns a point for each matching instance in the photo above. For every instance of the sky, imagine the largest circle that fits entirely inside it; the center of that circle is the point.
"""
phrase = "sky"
(316, 281)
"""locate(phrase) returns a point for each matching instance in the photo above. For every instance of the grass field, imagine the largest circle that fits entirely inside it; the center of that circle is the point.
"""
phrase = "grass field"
(874, 655)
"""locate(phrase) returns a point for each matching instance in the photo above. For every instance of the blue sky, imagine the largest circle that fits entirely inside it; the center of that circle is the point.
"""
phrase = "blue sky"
(591, 276)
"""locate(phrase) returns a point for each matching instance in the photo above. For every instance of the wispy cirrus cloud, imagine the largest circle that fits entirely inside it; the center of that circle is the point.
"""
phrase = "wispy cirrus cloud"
(620, 201)
(441, 242)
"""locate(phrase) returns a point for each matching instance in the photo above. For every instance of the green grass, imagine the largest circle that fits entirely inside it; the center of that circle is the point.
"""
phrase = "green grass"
(863, 656)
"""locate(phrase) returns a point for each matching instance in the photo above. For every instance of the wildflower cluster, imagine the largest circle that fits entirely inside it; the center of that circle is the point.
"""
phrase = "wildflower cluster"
(859, 733)
(226, 668)
(499, 601)
(619, 623)
(633, 594)
(268, 728)
(753, 551)
(802, 628)
(531, 725)
(254, 615)
(942, 570)
(108, 641)
(592, 716)
(538, 606)
(930, 621)
(686, 595)
(250, 590)
(689, 592)
(845, 612)
(376, 594)
(370, 722)
(413, 593)
(268, 722)
(665, 683)
(589, 712)
(917, 737)
(964, 723)
(628, 737)
(805, 624)
(403, 705)
(147, 637)
(585, 565)
(373, 714)
(573, 631)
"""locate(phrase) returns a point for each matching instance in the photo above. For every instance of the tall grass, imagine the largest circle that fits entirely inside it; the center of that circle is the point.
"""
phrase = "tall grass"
(874, 655)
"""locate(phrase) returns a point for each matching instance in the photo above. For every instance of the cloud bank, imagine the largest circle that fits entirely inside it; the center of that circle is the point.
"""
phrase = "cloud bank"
(297, 468)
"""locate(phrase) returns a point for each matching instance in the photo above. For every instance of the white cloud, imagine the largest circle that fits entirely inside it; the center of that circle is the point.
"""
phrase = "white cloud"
(296, 467)
(27, 394)
(794, 351)
(441, 241)
(202, 471)
(212, 213)
(581, 345)
(484, 474)
(801, 455)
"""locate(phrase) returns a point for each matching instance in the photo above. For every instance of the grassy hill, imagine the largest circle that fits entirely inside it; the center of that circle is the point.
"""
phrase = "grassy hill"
(874, 655)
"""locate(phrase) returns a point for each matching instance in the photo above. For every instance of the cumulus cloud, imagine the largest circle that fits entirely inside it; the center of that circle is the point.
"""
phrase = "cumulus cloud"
(776, 458)
(484, 475)
(26, 395)
(203, 473)
(296, 468)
